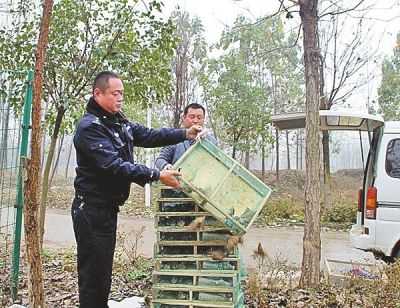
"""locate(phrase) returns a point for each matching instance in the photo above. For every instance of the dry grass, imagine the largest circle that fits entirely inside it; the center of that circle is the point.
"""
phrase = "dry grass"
(275, 284)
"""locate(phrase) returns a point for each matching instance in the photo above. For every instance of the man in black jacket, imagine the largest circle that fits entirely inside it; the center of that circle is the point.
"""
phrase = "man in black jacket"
(104, 142)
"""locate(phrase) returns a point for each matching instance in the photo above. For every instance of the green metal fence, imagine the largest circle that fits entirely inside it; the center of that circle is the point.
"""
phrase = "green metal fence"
(15, 110)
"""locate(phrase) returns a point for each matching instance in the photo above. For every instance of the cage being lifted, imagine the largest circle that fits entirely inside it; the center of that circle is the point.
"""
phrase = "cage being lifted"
(222, 186)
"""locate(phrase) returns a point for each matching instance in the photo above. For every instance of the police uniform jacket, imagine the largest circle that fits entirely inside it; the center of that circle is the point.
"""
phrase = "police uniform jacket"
(104, 149)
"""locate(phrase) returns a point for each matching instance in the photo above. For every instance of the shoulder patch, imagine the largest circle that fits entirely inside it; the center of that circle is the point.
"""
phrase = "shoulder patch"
(96, 120)
(89, 120)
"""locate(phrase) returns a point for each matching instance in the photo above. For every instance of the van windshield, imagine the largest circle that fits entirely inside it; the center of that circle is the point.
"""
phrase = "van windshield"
(392, 163)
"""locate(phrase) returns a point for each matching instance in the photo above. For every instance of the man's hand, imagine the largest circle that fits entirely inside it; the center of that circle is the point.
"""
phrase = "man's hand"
(168, 167)
(191, 133)
(168, 177)
(202, 134)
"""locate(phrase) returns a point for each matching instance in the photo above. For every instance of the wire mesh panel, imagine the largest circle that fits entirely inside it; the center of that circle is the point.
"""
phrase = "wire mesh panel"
(15, 93)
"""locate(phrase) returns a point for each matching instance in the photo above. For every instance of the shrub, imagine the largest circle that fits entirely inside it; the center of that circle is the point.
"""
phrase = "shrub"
(340, 214)
(282, 210)
(142, 270)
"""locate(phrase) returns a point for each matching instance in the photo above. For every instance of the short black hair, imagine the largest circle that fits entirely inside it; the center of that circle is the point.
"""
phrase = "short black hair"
(193, 106)
(102, 78)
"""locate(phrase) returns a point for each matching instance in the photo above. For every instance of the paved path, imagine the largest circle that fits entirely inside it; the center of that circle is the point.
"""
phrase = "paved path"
(283, 242)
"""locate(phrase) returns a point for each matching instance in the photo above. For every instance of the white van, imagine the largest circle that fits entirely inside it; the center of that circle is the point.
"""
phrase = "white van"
(378, 220)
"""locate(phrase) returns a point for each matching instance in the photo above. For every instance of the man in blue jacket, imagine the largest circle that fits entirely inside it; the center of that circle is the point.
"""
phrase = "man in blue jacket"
(104, 141)
(193, 114)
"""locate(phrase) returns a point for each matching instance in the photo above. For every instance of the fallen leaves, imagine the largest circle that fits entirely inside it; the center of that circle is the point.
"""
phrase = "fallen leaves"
(61, 280)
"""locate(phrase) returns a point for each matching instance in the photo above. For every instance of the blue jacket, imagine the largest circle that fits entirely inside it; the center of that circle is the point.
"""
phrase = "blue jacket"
(104, 150)
(170, 154)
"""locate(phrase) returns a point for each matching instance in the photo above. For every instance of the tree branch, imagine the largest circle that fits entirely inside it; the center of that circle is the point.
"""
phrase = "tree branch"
(280, 10)
(94, 70)
(284, 47)
(334, 58)
(343, 11)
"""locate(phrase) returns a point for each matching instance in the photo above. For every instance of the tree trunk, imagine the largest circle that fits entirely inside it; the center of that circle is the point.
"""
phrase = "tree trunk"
(287, 150)
(43, 149)
(4, 138)
(301, 151)
(263, 162)
(247, 159)
(325, 155)
(69, 158)
(177, 113)
(34, 259)
(60, 146)
(181, 75)
(277, 154)
(297, 150)
(310, 268)
(47, 168)
(327, 193)
(271, 154)
(325, 134)
(46, 106)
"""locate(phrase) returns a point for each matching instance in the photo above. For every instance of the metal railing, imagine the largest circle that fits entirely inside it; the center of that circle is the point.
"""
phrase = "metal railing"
(15, 112)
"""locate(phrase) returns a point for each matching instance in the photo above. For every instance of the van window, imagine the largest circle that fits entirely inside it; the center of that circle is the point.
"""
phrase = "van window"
(393, 158)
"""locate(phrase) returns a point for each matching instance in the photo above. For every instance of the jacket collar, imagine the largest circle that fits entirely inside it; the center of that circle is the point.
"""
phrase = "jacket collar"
(108, 118)
(94, 108)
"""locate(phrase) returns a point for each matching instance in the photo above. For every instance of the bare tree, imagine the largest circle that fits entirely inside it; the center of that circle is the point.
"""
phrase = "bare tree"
(340, 67)
(310, 275)
(190, 49)
(31, 207)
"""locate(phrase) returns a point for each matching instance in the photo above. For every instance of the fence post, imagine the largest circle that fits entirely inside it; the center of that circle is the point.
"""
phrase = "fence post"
(26, 120)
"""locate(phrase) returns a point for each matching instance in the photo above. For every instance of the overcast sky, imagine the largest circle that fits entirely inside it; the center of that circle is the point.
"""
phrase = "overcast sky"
(381, 25)
(216, 14)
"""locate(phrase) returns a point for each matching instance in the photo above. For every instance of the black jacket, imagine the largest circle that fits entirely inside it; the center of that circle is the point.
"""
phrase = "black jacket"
(104, 151)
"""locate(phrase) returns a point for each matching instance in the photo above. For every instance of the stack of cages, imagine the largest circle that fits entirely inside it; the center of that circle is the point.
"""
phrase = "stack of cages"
(187, 272)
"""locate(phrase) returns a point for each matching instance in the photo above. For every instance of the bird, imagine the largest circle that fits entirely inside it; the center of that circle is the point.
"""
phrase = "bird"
(232, 242)
(260, 252)
(217, 255)
(197, 223)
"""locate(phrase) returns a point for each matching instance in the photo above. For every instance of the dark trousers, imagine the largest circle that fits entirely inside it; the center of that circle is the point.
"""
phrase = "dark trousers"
(95, 233)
